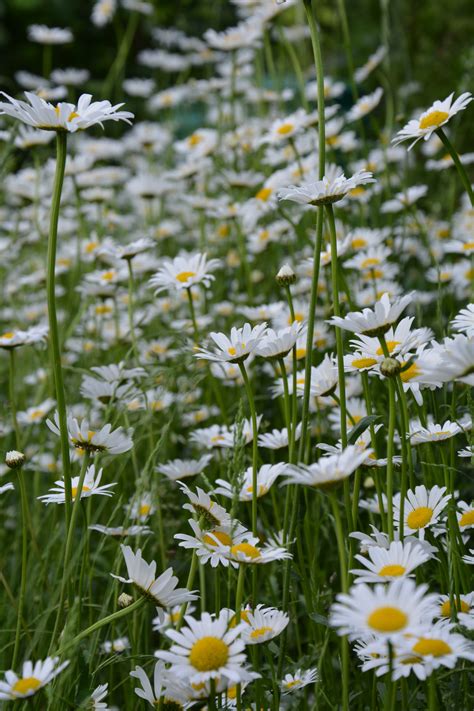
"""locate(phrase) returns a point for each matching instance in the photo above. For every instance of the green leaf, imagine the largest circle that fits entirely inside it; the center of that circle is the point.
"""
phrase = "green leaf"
(360, 427)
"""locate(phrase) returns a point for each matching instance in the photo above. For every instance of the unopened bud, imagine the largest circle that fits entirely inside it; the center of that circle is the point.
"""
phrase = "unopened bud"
(390, 367)
(14, 459)
(124, 600)
(285, 276)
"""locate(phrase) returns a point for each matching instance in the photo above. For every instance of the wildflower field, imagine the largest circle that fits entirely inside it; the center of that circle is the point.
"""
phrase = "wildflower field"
(237, 356)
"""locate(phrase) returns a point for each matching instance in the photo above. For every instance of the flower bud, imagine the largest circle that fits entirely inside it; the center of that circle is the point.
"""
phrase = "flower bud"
(390, 367)
(14, 459)
(124, 600)
(285, 276)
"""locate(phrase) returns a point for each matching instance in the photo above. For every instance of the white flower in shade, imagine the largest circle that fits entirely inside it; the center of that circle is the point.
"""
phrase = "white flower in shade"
(433, 647)
(212, 544)
(70, 76)
(433, 118)
(466, 605)
(90, 487)
(206, 649)
(364, 105)
(115, 646)
(266, 476)
(296, 681)
(327, 471)
(465, 515)
(243, 35)
(247, 553)
(263, 624)
(277, 439)
(384, 565)
(162, 591)
(183, 272)
(126, 251)
(380, 539)
(64, 116)
(98, 696)
(376, 321)
(176, 469)
(242, 342)
(36, 414)
(166, 688)
(423, 508)
(324, 378)
(13, 339)
(33, 677)
(42, 34)
(468, 452)
(457, 359)
(385, 611)
(464, 321)
(372, 63)
(433, 432)
(104, 440)
(202, 505)
(170, 618)
(6, 487)
(330, 189)
(121, 531)
(141, 507)
(469, 559)
(277, 344)
(102, 12)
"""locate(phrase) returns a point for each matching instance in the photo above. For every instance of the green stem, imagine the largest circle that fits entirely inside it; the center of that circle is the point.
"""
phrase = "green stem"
(189, 585)
(130, 309)
(459, 166)
(343, 571)
(253, 416)
(55, 353)
(24, 560)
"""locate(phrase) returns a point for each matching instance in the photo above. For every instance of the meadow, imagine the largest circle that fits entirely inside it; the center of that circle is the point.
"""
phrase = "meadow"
(237, 357)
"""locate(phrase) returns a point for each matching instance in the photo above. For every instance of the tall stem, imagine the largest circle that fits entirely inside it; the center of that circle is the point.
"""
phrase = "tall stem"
(459, 166)
(253, 416)
(55, 352)
(133, 336)
(343, 570)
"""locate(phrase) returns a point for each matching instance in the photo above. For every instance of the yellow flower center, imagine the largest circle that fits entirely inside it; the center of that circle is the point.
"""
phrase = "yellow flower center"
(247, 549)
(432, 647)
(391, 571)
(363, 362)
(74, 490)
(209, 654)
(264, 194)
(194, 140)
(387, 619)
(183, 277)
(102, 309)
(391, 345)
(72, 115)
(221, 536)
(445, 610)
(292, 684)
(369, 263)
(223, 230)
(468, 245)
(409, 373)
(264, 235)
(467, 519)
(285, 128)
(260, 632)
(108, 276)
(300, 353)
(420, 517)
(357, 192)
(29, 683)
(36, 414)
(8, 335)
(359, 243)
(144, 509)
(90, 246)
(433, 119)
(231, 351)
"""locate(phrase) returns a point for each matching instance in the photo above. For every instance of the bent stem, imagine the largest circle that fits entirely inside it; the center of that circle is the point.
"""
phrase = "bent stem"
(457, 162)
(55, 352)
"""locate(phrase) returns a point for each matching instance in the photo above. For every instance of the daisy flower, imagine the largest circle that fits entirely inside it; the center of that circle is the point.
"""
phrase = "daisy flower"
(13, 339)
(331, 188)
(204, 508)
(36, 414)
(263, 624)
(294, 682)
(121, 531)
(83, 438)
(162, 591)
(437, 646)
(42, 34)
(247, 553)
(183, 272)
(206, 649)
(64, 116)
(176, 469)
(467, 602)
(465, 515)
(422, 508)
(277, 344)
(213, 544)
(385, 565)
(433, 432)
(324, 378)
(242, 342)
(266, 476)
(433, 118)
(464, 321)
(376, 321)
(277, 439)
(166, 689)
(98, 696)
(364, 105)
(33, 677)
(385, 611)
(90, 487)
(116, 646)
(327, 472)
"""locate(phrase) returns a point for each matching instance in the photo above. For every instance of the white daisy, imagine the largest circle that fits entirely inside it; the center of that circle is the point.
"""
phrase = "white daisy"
(385, 565)
(327, 471)
(183, 272)
(263, 624)
(464, 321)
(90, 487)
(296, 681)
(376, 321)
(277, 439)
(176, 469)
(103, 440)
(423, 508)
(266, 476)
(33, 677)
(433, 118)
(242, 342)
(330, 189)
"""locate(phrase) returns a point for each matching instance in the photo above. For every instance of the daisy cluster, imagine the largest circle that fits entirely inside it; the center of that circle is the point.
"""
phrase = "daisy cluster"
(237, 359)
